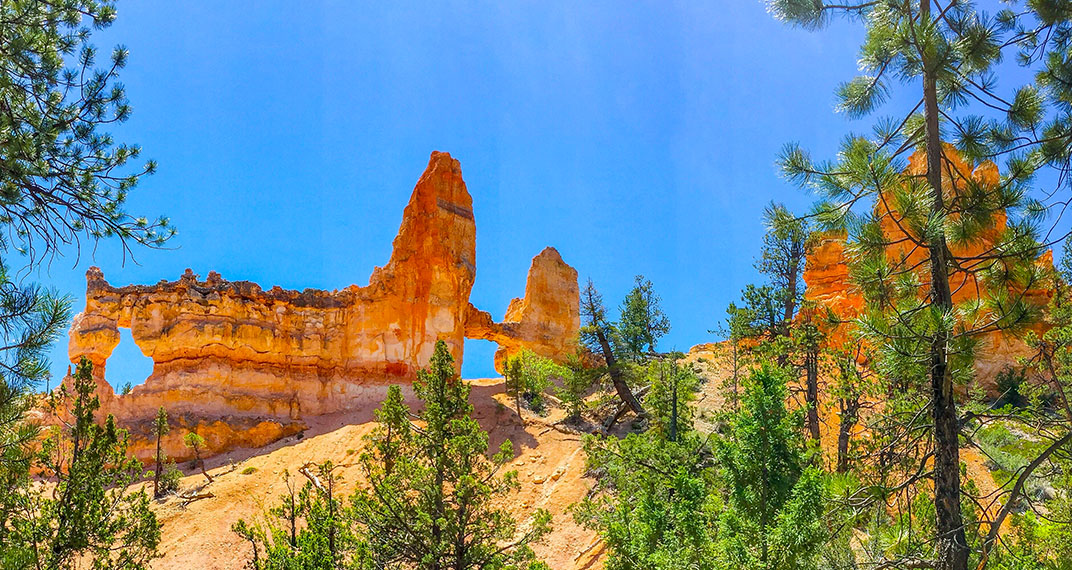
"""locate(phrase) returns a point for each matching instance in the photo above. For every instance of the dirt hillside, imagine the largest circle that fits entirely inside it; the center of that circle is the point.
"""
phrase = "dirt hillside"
(549, 461)
(550, 464)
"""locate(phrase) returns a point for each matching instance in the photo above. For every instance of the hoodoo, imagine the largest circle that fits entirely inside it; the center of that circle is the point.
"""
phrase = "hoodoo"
(545, 320)
(829, 284)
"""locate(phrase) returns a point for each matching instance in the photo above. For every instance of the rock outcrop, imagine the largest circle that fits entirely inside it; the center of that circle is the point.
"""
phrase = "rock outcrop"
(829, 285)
(545, 320)
(233, 360)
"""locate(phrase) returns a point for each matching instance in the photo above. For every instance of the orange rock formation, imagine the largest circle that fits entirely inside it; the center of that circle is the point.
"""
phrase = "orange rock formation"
(244, 366)
(829, 286)
(545, 320)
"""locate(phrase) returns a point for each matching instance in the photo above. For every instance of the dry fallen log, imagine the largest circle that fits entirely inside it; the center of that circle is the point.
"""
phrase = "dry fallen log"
(588, 548)
(304, 470)
(195, 494)
(187, 499)
(622, 409)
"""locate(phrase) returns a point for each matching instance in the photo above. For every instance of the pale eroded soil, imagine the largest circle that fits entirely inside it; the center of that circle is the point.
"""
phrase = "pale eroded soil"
(550, 465)
(549, 461)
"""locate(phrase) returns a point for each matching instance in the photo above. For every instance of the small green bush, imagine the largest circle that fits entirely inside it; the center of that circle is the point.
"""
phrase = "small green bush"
(1009, 382)
(575, 384)
(169, 478)
(535, 374)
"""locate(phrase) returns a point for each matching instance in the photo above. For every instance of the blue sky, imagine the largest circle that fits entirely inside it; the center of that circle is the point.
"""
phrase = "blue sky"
(635, 137)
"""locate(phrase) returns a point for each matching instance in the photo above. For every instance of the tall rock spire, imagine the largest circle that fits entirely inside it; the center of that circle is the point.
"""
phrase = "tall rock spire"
(433, 263)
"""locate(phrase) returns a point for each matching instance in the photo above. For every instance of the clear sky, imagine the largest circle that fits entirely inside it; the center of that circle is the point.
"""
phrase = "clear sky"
(635, 137)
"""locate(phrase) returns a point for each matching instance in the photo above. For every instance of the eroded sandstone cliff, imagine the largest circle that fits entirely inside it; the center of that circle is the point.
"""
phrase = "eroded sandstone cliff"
(244, 366)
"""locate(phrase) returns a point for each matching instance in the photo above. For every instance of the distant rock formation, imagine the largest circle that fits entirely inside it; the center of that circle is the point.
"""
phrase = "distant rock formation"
(545, 320)
(829, 286)
(244, 366)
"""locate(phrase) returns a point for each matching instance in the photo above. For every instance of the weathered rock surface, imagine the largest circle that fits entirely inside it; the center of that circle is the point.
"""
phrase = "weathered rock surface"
(545, 320)
(829, 285)
(232, 354)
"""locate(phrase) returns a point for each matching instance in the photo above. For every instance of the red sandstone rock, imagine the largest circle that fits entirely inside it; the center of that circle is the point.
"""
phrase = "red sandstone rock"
(230, 348)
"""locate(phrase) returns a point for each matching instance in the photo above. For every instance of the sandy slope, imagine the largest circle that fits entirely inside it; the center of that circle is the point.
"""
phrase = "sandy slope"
(550, 466)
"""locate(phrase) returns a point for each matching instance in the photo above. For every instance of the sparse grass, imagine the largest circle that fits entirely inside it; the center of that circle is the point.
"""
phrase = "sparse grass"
(994, 440)
(1007, 453)
(996, 435)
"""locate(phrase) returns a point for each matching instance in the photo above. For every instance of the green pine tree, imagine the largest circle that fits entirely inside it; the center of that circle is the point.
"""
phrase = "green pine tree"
(31, 319)
(431, 500)
(760, 315)
(656, 501)
(64, 179)
(642, 322)
(785, 246)
(530, 375)
(912, 228)
(602, 337)
(92, 513)
(774, 504)
(160, 429)
(1042, 409)
(576, 383)
(197, 443)
(673, 389)
(317, 532)
(735, 328)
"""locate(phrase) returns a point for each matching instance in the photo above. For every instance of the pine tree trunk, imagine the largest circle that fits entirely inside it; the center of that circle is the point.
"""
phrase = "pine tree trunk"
(159, 467)
(389, 457)
(791, 300)
(849, 408)
(811, 395)
(616, 374)
(203, 470)
(735, 373)
(331, 521)
(517, 400)
(952, 546)
(292, 516)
